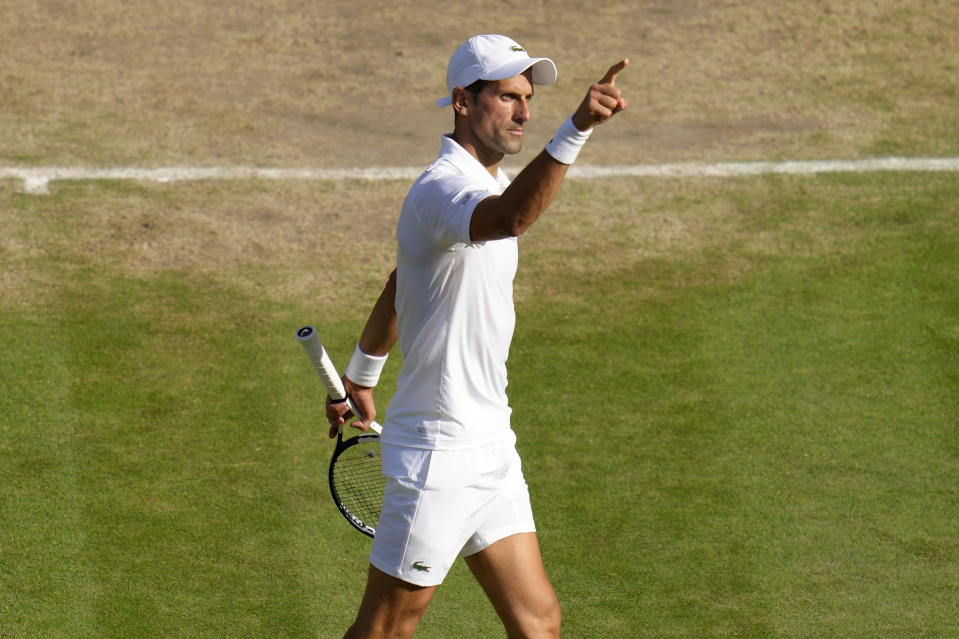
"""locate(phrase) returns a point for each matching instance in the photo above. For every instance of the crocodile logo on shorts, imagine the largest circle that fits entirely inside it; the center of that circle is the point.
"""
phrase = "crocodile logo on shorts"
(420, 566)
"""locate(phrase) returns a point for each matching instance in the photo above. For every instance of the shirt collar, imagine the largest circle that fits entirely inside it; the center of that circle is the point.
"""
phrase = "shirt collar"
(469, 165)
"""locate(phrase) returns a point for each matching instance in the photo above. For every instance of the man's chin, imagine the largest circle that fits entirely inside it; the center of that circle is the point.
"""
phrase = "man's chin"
(512, 149)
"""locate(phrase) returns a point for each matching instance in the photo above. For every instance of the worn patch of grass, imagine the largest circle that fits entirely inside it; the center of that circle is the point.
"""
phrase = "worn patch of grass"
(306, 83)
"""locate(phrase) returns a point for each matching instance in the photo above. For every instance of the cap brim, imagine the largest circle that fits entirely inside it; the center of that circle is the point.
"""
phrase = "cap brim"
(544, 72)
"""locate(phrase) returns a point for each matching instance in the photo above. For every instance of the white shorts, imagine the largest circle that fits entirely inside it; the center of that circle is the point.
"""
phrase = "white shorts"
(443, 504)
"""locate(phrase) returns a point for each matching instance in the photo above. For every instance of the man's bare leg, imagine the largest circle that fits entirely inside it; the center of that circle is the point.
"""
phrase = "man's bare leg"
(512, 574)
(391, 608)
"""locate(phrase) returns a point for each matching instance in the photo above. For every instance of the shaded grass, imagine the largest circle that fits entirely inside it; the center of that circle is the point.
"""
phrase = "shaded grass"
(178, 487)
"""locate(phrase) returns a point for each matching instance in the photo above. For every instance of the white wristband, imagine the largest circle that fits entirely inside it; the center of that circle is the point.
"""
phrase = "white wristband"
(365, 369)
(565, 145)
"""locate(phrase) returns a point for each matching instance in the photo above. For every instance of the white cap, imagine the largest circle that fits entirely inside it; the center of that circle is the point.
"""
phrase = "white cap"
(492, 57)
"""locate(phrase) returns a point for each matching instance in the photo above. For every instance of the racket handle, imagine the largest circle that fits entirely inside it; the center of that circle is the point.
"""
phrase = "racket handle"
(376, 428)
(310, 341)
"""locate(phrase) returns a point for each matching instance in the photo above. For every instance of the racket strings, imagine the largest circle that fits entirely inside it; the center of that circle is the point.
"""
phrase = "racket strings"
(359, 482)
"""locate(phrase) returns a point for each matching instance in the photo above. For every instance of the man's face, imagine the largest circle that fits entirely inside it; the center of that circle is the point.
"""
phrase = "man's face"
(500, 113)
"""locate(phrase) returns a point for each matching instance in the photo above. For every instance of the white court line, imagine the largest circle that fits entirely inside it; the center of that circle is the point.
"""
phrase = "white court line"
(37, 179)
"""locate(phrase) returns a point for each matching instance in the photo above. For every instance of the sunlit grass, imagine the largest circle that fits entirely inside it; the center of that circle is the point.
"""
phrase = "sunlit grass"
(735, 399)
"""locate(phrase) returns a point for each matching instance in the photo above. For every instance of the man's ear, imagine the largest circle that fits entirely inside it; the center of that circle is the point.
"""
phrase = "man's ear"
(462, 101)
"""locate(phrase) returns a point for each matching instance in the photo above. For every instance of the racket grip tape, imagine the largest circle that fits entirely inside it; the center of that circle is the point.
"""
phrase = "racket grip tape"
(310, 341)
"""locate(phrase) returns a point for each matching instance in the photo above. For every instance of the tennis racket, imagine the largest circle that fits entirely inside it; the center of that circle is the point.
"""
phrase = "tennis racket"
(356, 478)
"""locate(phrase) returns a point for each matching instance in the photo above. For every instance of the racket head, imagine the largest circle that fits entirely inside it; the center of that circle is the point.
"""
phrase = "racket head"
(356, 480)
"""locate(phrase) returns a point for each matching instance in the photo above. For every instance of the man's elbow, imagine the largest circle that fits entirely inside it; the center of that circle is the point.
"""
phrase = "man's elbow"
(519, 221)
(497, 229)
(516, 228)
(495, 218)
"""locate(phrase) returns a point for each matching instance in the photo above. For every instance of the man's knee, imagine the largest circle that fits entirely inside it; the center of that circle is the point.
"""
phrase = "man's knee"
(543, 623)
(396, 626)
(551, 621)
(391, 608)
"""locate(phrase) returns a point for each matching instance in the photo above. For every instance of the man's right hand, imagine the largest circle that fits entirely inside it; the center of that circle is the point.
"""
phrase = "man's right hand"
(338, 413)
(602, 101)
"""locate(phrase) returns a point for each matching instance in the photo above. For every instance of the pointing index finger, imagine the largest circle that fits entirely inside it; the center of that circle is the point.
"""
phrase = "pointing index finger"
(610, 77)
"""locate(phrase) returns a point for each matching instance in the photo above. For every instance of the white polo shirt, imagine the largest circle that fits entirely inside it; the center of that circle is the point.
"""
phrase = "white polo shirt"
(454, 302)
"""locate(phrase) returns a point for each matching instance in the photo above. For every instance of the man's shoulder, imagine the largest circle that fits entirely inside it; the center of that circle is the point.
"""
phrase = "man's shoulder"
(442, 177)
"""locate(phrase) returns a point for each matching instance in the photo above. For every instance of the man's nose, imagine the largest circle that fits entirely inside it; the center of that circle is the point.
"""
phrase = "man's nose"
(522, 112)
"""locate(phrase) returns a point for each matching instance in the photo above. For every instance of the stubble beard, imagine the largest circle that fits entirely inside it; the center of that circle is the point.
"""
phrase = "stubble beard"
(507, 145)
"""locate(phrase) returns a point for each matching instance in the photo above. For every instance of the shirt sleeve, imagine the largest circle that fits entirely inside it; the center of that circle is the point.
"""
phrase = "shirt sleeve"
(445, 208)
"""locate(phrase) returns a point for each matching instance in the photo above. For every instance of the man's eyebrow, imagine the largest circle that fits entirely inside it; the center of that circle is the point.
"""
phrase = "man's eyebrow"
(517, 94)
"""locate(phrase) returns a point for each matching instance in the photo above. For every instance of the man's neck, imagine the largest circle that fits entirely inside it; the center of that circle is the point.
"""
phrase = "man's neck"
(489, 159)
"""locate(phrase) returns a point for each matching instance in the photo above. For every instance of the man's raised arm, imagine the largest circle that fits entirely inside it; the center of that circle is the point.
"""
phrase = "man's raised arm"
(510, 214)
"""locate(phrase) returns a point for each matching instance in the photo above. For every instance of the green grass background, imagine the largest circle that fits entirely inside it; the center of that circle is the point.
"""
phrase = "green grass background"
(737, 399)
(737, 402)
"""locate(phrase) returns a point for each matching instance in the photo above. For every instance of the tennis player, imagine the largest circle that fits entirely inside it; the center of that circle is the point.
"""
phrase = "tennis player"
(455, 486)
